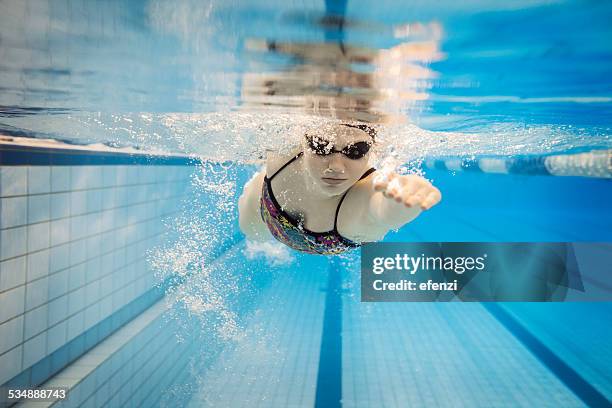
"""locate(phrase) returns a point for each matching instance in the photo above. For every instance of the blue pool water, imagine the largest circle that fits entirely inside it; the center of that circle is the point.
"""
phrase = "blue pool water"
(523, 84)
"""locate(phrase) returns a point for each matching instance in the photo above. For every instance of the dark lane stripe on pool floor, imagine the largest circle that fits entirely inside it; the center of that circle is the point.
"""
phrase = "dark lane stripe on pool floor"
(329, 377)
(572, 379)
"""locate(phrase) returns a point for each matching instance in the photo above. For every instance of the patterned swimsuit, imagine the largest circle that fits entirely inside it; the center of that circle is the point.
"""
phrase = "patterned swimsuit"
(292, 233)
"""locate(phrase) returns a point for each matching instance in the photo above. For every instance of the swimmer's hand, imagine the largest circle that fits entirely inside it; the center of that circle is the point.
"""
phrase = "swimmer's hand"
(411, 190)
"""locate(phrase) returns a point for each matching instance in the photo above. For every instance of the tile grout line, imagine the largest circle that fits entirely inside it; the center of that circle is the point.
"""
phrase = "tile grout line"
(25, 289)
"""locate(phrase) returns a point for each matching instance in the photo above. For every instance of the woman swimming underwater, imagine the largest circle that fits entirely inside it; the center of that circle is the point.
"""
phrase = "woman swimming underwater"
(324, 198)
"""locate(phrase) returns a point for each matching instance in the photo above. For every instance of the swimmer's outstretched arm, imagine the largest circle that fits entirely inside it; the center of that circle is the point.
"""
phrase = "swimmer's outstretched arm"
(384, 202)
(398, 199)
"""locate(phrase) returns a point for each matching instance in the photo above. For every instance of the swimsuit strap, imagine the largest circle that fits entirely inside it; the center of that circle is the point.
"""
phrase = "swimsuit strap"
(366, 174)
(286, 164)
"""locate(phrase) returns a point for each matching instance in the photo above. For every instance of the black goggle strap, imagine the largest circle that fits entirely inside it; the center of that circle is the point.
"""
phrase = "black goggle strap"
(368, 129)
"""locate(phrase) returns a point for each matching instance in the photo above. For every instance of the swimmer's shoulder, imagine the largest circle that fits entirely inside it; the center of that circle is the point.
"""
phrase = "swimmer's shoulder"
(360, 191)
(354, 221)
(363, 186)
(276, 160)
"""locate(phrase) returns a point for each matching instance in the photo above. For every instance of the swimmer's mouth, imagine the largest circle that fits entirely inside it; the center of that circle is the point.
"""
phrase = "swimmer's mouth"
(330, 180)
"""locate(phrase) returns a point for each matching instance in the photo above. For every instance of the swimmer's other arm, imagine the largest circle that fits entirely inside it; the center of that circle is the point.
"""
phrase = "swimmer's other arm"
(389, 202)
(249, 217)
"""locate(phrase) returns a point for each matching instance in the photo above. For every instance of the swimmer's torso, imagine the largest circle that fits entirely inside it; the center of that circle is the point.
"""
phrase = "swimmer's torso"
(284, 200)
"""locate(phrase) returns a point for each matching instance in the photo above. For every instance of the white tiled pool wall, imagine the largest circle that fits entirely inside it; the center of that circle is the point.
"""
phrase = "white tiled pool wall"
(135, 375)
(73, 242)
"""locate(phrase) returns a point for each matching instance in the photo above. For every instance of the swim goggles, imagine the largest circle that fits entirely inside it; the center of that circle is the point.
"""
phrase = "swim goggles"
(322, 147)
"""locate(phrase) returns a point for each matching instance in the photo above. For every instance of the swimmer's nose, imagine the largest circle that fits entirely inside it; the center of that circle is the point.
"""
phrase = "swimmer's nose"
(335, 164)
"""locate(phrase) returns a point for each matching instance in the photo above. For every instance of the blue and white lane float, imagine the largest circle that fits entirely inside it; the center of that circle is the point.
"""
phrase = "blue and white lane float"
(596, 163)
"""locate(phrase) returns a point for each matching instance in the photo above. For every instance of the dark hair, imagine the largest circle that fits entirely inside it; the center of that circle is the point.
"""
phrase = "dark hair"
(368, 129)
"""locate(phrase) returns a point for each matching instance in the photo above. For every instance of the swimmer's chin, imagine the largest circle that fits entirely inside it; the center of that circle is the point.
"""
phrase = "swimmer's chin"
(333, 190)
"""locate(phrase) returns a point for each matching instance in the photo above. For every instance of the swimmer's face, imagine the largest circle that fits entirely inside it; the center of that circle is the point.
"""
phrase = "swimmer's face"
(335, 173)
